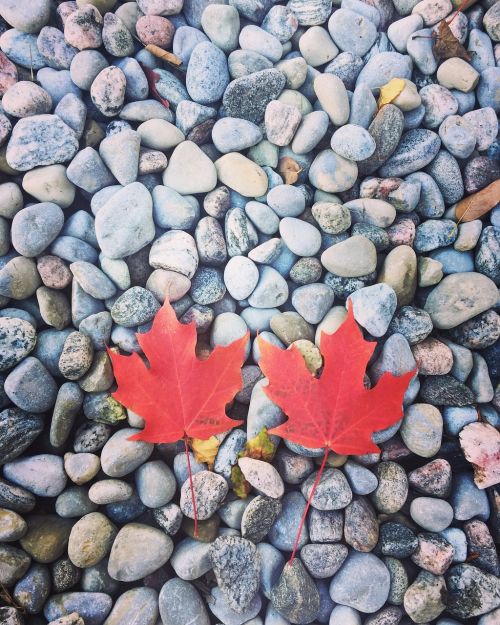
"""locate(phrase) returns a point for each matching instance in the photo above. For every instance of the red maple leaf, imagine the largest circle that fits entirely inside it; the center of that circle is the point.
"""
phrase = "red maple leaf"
(334, 411)
(178, 395)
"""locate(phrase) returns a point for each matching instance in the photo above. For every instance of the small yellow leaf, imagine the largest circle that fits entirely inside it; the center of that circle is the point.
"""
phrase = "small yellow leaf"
(205, 451)
(241, 487)
(390, 91)
(260, 447)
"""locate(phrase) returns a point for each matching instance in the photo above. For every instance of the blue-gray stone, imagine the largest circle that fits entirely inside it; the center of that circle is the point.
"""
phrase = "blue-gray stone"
(283, 532)
(353, 585)
(432, 234)
(263, 217)
(181, 604)
(351, 31)
(383, 67)
(225, 614)
(467, 499)
(286, 200)
(455, 418)
(93, 607)
(30, 386)
(58, 83)
(42, 475)
(227, 455)
(21, 48)
(190, 114)
(374, 307)
(420, 48)
(488, 89)
(31, 592)
(230, 134)
(171, 88)
(126, 511)
(452, 260)
(40, 140)
(272, 562)
(363, 106)
(445, 170)
(361, 480)
(431, 202)
(416, 149)
(346, 66)
(207, 74)
(481, 49)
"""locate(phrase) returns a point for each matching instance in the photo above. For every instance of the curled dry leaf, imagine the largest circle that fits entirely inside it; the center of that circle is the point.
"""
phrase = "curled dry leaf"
(162, 54)
(390, 91)
(478, 204)
(289, 169)
(480, 443)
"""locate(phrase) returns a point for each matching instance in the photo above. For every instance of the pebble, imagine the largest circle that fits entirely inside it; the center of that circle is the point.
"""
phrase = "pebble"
(236, 565)
(424, 599)
(466, 295)
(433, 478)
(422, 429)
(457, 74)
(93, 607)
(132, 205)
(471, 592)
(295, 596)
(392, 490)
(207, 75)
(351, 31)
(416, 149)
(180, 603)
(352, 585)
(353, 142)
(137, 551)
(138, 604)
(209, 491)
(120, 456)
(264, 85)
(40, 140)
(434, 515)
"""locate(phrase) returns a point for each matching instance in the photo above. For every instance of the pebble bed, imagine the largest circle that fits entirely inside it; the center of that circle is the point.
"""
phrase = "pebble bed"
(268, 194)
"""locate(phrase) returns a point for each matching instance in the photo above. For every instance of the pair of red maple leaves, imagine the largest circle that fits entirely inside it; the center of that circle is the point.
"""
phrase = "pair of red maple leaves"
(181, 397)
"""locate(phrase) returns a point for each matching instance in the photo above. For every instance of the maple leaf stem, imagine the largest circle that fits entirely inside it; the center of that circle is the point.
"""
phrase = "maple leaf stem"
(459, 10)
(308, 505)
(190, 473)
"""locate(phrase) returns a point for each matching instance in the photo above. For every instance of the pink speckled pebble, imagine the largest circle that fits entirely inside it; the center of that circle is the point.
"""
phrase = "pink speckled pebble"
(8, 73)
(432, 357)
(402, 232)
(155, 29)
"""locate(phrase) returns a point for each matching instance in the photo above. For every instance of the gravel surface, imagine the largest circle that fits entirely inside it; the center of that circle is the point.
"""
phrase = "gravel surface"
(269, 193)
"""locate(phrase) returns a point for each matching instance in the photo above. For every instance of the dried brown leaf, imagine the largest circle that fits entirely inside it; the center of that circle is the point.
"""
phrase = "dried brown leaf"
(447, 46)
(289, 169)
(478, 204)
